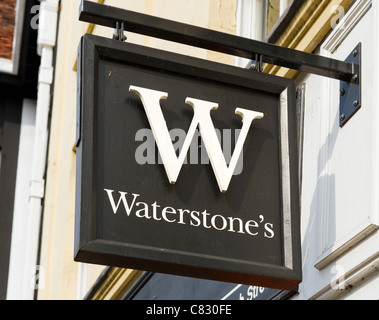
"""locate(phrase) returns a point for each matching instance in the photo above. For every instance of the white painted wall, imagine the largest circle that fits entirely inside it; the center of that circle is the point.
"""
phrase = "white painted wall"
(340, 166)
(25, 274)
(340, 240)
(17, 277)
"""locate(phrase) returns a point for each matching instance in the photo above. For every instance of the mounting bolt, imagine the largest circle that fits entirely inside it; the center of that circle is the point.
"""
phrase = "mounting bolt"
(355, 78)
(342, 91)
(342, 117)
(355, 52)
(355, 103)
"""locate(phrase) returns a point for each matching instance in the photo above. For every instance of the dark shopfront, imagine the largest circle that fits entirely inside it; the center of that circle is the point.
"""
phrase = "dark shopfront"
(14, 88)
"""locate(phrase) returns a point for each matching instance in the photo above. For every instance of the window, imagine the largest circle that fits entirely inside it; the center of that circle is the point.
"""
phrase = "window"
(257, 18)
(274, 10)
(263, 20)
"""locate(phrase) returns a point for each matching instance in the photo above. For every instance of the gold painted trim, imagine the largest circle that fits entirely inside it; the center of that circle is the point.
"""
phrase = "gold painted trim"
(115, 283)
(307, 29)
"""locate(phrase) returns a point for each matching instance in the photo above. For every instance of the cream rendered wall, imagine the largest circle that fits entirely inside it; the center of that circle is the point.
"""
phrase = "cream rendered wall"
(61, 277)
(217, 15)
(56, 261)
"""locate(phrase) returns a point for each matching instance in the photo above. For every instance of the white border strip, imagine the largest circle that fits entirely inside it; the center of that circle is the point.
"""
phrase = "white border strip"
(286, 180)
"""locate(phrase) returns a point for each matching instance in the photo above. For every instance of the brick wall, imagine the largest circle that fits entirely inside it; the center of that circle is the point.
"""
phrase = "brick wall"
(7, 24)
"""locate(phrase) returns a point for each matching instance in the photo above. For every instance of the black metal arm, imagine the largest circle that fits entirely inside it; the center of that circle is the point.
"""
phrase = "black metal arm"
(216, 41)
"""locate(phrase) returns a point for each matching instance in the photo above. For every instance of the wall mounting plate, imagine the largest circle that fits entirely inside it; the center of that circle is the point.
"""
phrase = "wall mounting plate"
(350, 92)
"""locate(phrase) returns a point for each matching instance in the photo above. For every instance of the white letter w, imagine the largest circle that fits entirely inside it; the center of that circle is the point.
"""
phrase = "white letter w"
(202, 119)
(122, 198)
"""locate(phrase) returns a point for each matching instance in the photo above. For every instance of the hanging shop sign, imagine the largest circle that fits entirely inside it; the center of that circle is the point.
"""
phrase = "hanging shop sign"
(185, 166)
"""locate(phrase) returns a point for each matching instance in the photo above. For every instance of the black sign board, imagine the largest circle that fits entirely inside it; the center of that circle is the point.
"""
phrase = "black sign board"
(192, 215)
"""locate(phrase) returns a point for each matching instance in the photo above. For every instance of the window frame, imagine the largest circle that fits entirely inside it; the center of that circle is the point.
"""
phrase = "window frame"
(283, 21)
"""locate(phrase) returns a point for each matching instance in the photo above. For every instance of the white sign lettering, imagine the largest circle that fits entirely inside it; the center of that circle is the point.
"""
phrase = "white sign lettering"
(193, 218)
(202, 119)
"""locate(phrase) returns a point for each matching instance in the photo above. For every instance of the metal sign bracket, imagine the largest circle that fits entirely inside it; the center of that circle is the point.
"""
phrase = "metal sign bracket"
(348, 71)
(351, 93)
(119, 32)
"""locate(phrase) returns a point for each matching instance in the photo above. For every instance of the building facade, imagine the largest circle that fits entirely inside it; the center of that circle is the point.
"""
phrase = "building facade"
(19, 65)
(339, 167)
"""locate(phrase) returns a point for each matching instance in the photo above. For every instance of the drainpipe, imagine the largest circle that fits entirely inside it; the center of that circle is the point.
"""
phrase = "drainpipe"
(48, 19)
